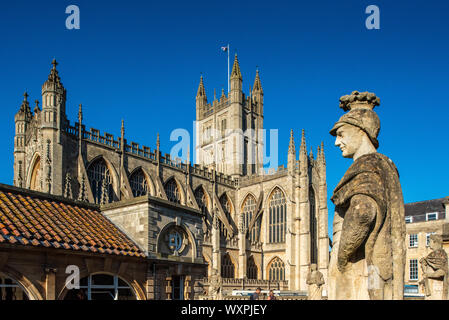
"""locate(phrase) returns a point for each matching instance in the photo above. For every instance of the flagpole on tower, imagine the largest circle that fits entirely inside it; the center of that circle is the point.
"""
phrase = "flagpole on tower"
(228, 69)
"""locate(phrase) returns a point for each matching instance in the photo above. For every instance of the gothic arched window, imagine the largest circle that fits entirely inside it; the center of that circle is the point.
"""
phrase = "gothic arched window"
(276, 270)
(313, 227)
(227, 267)
(138, 182)
(201, 200)
(35, 183)
(248, 208)
(227, 208)
(277, 217)
(172, 191)
(251, 268)
(100, 177)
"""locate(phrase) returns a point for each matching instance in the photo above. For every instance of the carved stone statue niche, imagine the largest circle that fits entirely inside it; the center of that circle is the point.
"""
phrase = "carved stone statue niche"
(315, 280)
(368, 256)
(435, 270)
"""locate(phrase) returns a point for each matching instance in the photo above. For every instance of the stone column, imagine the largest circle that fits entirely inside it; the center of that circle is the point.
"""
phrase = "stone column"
(216, 256)
(242, 248)
(50, 283)
(168, 287)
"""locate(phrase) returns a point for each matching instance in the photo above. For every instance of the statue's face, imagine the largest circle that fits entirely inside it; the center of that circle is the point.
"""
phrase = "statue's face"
(434, 245)
(348, 139)
(313, 267)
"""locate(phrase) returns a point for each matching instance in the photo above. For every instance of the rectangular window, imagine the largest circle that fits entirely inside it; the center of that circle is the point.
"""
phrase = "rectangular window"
(431, 216)
(413, 269)
(413, 243)
(408, 219)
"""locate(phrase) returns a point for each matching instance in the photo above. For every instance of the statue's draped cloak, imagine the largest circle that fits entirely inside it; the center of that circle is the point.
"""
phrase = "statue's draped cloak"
(374, 175)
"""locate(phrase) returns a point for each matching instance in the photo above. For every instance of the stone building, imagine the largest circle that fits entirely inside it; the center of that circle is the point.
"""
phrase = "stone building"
(223, 213)
(422, 219)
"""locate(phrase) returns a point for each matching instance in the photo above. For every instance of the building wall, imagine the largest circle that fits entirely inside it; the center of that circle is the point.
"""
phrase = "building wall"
(66, 151)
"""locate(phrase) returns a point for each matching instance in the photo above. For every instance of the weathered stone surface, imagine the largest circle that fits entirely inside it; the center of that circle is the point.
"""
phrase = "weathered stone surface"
(315, 280)
(435, 270)
(368, 255)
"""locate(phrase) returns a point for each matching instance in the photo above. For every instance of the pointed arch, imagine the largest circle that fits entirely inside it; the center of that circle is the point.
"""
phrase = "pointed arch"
(174, 191)
(227, 267)
(205, 204)
(141, 182)
(203, 200)
(276, 269)
(227, 207)
(34, 173)
(100, 171)
(277, 216)
(248, 209)
(251, 268)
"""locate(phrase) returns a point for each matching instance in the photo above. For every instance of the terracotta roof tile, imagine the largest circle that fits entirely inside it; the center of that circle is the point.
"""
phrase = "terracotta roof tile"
(28, 219)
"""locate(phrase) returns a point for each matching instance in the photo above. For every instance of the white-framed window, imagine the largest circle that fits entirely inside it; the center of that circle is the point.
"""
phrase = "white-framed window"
(413, 240)
(102, 287)
(431, 216)
(408, 219)
(413, 269)
(428, 238)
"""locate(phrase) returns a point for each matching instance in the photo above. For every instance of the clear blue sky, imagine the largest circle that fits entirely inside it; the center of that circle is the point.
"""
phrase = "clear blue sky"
(141, 61)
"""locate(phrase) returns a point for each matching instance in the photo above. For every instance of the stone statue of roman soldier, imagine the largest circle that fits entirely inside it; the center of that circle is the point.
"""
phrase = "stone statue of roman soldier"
(435, 270)
(315, 280)
(368, 254)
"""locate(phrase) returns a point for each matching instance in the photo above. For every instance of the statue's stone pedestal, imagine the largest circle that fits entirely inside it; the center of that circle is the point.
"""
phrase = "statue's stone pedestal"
(436, 289)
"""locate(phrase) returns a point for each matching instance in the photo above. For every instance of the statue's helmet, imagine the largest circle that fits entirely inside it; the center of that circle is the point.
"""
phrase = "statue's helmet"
(361, 114)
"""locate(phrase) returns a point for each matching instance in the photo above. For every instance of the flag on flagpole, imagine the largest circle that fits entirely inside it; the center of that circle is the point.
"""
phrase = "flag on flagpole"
(226, 49)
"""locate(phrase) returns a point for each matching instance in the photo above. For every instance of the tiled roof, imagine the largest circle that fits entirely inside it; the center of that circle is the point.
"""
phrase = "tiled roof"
(41, 220)
(423, 207)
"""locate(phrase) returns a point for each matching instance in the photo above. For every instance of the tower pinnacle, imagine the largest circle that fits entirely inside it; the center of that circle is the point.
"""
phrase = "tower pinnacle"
(235, 73)
(291, 146)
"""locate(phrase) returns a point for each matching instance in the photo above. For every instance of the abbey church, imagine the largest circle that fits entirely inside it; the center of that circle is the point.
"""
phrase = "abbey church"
(141, 225)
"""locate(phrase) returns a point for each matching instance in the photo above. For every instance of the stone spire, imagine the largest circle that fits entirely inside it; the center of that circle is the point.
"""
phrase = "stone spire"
(53, 77)
(68, 186)
(323, 157)
(291, 164)
(201, 93)
(291, 146)
(257, 87)
(303, 160)
(25, 107)
(122, 135)
(235, 73)
(37, 109)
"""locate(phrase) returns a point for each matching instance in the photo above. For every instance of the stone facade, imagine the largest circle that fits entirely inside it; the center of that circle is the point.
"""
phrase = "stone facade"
(423, 219)
(237, 218)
